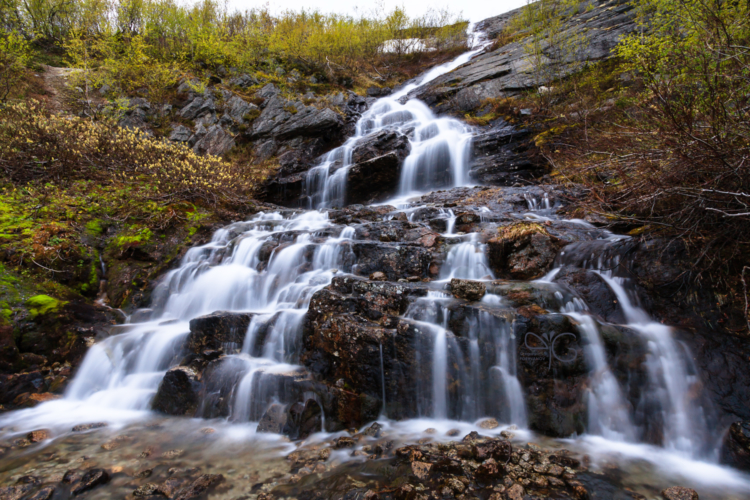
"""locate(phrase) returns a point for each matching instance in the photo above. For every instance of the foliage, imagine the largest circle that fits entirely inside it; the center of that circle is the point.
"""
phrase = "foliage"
(14, 55)
(134, 40)
(692, 172)
(36, 146)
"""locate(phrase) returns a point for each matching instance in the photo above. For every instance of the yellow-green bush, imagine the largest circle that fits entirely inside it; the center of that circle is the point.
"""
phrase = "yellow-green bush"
(36, 146)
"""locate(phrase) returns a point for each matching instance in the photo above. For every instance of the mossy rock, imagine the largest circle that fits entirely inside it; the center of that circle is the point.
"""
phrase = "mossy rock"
(40, 305)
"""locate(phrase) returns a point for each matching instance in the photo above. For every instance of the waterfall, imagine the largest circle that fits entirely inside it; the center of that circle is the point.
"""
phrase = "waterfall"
(467, 260)
(440, 147)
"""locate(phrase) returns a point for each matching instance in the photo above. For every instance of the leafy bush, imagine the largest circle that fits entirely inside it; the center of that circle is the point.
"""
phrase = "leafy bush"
(39, 147)
(14, 55)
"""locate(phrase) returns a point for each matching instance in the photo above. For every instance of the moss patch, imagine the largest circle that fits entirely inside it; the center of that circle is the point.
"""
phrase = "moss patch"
(43, 304)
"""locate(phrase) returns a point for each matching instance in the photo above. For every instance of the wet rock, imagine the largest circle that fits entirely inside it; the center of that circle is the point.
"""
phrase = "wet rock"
(378, 276)
(87, 427)
(378, 91)
(522, 251)
(274, 419)
(468, 289)
(90, 480)
(23, 486)
(217, 331)
(735, 449)
(216, 141)
(46, 493)
(396, 261)
(373, 431)
(30, 400)
(200, 486)
(344, 442)
(38, 436)
(594, 290)
(14, 385)
(679, 493)
(303, 419)
(146, 490)
(179, 392)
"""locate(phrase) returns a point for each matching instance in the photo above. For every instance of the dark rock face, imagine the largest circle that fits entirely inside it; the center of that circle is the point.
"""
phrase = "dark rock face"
(178, 392)
(502, 155)
(594, 290)
(273, 420)
(735, 449)
(218, 331)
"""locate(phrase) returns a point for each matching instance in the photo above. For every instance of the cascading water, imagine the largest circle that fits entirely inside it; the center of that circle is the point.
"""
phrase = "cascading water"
(440, 147)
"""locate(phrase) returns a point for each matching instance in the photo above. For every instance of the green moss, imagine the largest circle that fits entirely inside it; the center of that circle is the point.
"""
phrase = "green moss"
(134, 238)
(290, 109)
(94, 227)
(43, 304)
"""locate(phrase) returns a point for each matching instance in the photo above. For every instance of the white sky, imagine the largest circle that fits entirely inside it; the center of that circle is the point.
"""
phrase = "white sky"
(474, 10)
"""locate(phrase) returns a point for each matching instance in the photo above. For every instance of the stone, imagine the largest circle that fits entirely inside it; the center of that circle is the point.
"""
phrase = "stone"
(198, 107)
(146, 490)
(218, 330)
(489, 423)
(178, 393)
(39, 435)
(468, 290)
(45, 493)
(522, 251)
(515, 492)
(735, 448)
(237, 108)
(244, 80)
(273, 420)
(217, 142)
(594, 290)
(421, 469)
(180, 134)
(279, 121)
(373, 431)
(200, 486)
(378, 276)
(88, 427)
(90, 480)
(679, 493)
(344, 442)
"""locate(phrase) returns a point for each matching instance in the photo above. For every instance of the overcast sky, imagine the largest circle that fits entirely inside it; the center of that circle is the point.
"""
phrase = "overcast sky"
(474, 10)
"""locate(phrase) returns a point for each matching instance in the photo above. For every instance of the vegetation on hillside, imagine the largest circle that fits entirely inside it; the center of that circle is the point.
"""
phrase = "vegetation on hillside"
(660, 133)
(132, 44)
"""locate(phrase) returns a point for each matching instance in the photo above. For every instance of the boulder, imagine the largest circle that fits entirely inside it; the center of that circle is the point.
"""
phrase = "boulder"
(199, 106)
(522, 251)
(237, 108)
(468, 289)
(219, 330)
(273, 420)
(284, 119)
(180, 134)
(735, 449)
(178, 393)
(199, 487)
(217, 141)
(90, 480)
